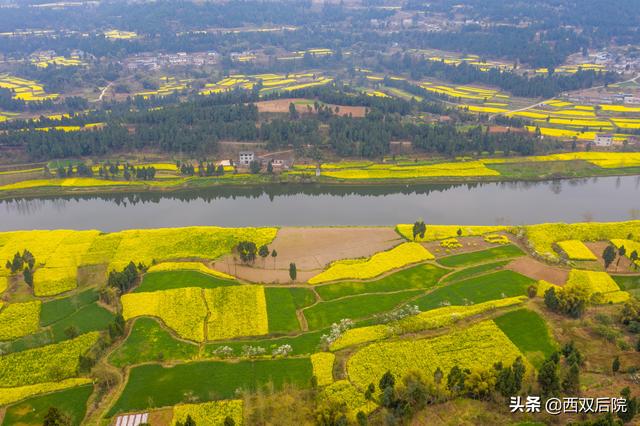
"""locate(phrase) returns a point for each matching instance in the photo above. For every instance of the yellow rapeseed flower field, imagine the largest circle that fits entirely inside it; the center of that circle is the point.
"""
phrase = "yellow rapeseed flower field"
(576, 250)
(45, 364)
(441, 232)
(212, 413)
(629, 245)
(398, 257)
(435, 318)
(59, 271)
(15, 394)
(236, 311)
(344, 393)
(322, 363)
(19, 319)
(478, 346)
(600, 286)
(542, 237)
(454, 169)
(198, 242)
(183, 310)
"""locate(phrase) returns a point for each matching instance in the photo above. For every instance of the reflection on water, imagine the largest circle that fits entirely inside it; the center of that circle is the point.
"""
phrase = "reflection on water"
(610, 198)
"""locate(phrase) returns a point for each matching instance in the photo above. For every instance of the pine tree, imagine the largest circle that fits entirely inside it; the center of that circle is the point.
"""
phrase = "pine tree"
(548, 378)
(571, 382)
(293, 271)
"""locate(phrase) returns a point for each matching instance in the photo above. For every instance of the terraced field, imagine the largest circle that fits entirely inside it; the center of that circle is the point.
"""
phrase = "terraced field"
(186, 335)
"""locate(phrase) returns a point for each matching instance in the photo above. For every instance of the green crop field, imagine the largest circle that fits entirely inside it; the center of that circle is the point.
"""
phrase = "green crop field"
(302, 344)
(152, 385)
(281, 308)
(72, 402)
(476, 290)
(628, 283)
(472, 258)
(58, 309)
(421, 276)
(530, 334)
(325, 313)
(473, 271)
(164, 280)
(148, 341)
(91, 317)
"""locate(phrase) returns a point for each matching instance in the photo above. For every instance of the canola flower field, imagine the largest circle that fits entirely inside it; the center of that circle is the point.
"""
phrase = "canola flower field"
(24, 89)
(400, 256)
(267, 83)
(180, 336)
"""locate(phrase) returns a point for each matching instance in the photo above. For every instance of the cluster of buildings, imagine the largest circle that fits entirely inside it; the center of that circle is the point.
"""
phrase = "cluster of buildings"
(279, 163)
(154, 61)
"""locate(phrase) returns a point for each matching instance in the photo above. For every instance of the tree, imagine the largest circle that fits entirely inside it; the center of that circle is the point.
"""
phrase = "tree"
(247, 251)
(28, 276)
(263, 251)
(455, 380)
(270, 167)
(479, 384)
(293, 112)
(419, 228)
(551, 300)
(228, 421)
(386, 381)
(509, 379)
(437, 376)
(571, 382)
(634, 258)
(55, 417)
(632, 409)
(615, 365)
(254, 167)
(548, 378)
(293, 271)
(274, 254)
(188, 422)
(609, 255)
(361, 418)
(71, 332)
(621, 252)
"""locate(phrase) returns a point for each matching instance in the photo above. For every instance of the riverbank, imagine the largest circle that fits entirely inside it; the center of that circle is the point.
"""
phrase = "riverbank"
(464, 171)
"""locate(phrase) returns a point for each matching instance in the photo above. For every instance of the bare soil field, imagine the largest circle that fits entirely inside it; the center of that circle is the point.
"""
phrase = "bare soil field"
(312, 249)
(620, 265)
(539, 271)
(282, 106)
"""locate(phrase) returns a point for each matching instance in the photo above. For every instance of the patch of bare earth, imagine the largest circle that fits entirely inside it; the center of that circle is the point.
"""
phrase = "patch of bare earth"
(161, 417)
(620, 265)
(311, 249)
(538, 270)
(282, 106)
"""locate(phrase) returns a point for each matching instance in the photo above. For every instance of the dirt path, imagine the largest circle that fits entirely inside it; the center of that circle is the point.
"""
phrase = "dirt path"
(104, 91)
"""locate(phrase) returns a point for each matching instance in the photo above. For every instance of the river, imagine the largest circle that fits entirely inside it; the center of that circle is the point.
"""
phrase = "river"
(599, 199)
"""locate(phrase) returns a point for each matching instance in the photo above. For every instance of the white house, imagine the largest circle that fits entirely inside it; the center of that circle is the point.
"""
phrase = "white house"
(246, 157)
(602, 139)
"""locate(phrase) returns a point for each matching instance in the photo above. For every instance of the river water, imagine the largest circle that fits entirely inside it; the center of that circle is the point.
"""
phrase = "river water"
(599, 199)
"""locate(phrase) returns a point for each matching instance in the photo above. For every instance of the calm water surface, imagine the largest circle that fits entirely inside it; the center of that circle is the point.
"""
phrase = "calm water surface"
(601, 199)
